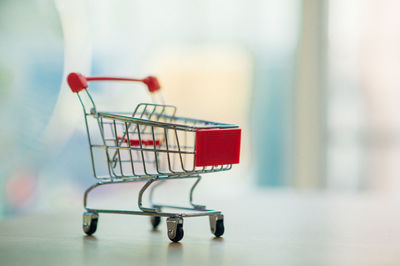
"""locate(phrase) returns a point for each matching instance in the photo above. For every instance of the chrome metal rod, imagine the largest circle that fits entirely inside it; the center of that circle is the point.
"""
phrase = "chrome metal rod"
(162, 214)
(85, 195)
(179, 207)
(196, 206)
(151, 195)
(140, 205)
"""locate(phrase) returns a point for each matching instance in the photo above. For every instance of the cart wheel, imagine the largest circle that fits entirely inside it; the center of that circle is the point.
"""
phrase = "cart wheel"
(90, 220)
(155, 221)
(219, 228)
(217, 225)
(175, 228)
(178, 234)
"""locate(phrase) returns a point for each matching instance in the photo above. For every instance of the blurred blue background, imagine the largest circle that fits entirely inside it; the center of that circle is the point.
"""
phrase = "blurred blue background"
(313, 84)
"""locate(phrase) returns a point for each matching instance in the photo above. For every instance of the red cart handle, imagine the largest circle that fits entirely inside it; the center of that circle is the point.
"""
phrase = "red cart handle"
(78, 82)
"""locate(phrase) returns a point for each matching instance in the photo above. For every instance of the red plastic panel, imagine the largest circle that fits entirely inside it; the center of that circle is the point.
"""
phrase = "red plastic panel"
(217, 146)
(136, 142)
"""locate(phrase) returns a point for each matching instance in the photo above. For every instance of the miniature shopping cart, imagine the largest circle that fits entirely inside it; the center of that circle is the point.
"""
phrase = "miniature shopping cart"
(153, 145)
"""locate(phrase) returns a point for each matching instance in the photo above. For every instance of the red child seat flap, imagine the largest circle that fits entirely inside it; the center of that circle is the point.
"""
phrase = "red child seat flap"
(217, 146)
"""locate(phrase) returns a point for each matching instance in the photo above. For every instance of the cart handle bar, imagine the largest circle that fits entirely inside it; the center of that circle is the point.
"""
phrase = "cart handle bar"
(78, 82)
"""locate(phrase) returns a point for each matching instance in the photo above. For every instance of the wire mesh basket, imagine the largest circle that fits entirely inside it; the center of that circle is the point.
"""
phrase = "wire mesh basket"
(153, 144)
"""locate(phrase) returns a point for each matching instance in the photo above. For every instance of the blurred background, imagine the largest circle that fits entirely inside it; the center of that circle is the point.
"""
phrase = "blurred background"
(313, 84)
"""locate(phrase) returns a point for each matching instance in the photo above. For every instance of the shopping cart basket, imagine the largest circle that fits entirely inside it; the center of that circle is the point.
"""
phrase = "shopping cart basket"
(153, 145)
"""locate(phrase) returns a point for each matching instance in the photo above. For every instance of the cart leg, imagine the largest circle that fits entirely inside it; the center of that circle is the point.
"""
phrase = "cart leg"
(87, 191)
(196, 206)
(155, 220)
(175, 228)
(140, 197)
(152, 190)
(217, 224)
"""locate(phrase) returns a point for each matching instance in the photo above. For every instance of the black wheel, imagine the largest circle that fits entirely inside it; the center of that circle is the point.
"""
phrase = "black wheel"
(219, 228)
(179, 233)
(155, 221)
(89, 230)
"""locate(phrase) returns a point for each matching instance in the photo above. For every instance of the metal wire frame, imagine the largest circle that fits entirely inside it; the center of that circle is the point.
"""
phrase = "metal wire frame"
(146, 121)
(154, 210)
(114, 145)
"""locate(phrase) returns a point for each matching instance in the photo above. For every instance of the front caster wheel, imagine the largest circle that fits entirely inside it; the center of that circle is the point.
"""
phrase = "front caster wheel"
(219, 228)
(217, 225)
(178, 235)
(175, 228)
(155, 221)
(90, 220)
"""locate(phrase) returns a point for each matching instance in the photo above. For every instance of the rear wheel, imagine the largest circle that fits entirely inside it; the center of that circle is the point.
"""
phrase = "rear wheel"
(155, 221)
(90, 220)
(219, 228)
